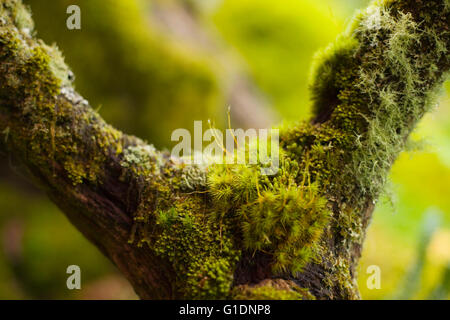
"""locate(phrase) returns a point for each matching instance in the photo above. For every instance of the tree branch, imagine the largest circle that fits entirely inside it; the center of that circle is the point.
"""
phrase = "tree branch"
(179, 231)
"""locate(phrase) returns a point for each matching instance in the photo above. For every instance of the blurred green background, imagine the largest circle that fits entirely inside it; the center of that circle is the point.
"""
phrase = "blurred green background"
(151, 66)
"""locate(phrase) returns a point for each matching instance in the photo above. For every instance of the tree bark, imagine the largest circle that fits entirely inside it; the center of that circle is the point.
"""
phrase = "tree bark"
(180, 231)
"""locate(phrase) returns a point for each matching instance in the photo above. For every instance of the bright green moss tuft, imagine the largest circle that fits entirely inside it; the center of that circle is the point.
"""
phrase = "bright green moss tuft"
(283, 215)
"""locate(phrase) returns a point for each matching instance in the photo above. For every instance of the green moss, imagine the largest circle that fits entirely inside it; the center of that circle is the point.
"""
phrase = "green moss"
(75, 172)
(272, 290)
(369, 90)
(366, 98)
(43, 121)
(330, 73)
(18, 13)
(177, 226)
(282, 215)
(174, 221)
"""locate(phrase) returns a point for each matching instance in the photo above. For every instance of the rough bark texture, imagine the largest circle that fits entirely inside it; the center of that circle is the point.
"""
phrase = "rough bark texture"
(225, 231)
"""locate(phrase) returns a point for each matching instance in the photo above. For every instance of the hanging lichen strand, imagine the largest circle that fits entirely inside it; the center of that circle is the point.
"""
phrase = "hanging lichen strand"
(369, 90)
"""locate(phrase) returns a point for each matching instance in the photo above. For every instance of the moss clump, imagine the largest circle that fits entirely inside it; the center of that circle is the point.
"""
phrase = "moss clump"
(201, 252)
(75, 172)
(283, 215)
(330, 73)
(193, 178)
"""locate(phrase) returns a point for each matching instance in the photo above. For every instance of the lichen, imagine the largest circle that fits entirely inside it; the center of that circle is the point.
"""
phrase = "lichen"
(18, 14)
(369, 90)
(142, 79)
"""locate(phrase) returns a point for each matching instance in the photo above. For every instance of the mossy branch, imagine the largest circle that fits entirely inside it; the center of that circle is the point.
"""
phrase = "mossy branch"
(180, 231)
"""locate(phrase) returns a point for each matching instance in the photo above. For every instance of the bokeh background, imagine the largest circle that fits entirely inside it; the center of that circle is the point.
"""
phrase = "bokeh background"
(151, 66)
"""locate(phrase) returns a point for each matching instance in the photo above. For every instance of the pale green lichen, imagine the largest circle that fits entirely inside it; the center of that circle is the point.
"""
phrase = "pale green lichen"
(18, 13)
(144, 159)
(369, 91)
